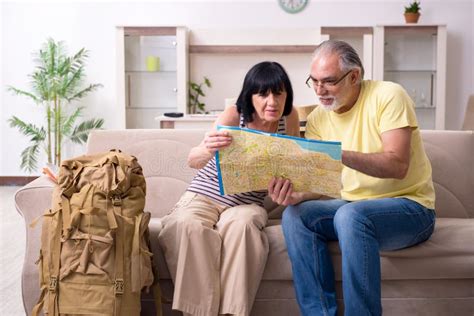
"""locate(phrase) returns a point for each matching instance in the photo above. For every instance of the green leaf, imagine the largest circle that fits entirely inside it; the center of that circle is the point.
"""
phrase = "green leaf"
(81, 132)
(200, 92)
(28, 129)
(85, 91)
(207, 82)
(29, 158)
(413, 7)
(24, 93)
(67, 125)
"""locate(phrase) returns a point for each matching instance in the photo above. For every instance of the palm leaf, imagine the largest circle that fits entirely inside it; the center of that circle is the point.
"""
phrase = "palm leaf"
(41, 84)
(78, 60)
(71, 83)
(85, 91)
(81, 132)
(69, 121)
(29, 157)
(24, 93)
(28, 129)
(74, 75)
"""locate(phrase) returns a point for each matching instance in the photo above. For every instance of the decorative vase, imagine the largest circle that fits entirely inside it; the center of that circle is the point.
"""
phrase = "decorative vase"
(411, 17)
(152, 63)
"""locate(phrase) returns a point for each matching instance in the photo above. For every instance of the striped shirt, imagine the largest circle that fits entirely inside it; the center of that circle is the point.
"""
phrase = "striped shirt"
(206, 181)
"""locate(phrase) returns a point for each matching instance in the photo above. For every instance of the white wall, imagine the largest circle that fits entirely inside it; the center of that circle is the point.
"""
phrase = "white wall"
(2, 120)
(25, 26)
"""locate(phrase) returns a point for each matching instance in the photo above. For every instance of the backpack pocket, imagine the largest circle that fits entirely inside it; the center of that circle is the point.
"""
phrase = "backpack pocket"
(88, 255)
(87, 273)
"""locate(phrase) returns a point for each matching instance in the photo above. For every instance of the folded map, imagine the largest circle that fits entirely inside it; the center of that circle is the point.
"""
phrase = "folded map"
(255, 157)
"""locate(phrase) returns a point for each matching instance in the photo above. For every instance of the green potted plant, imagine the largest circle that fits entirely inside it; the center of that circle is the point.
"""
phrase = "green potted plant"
(412, 12)
(57, 81)
(196, 91)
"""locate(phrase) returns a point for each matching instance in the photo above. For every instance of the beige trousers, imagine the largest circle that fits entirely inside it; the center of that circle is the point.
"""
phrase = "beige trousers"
(215, 254)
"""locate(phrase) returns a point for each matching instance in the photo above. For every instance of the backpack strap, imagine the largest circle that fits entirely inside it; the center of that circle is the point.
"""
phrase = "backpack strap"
(54, 262)
(119, 243)
(119, 285)
(66, 210)
(135, 257)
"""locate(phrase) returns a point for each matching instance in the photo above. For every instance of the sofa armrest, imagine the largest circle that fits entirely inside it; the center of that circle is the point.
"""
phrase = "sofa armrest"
(31, 201)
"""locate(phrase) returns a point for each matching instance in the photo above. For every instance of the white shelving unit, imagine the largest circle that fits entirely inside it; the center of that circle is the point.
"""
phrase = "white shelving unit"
(152, 72)
(415, 57)
(412, 55)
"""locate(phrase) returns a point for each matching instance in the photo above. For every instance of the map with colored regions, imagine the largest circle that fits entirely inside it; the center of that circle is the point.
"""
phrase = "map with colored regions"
(255, 157)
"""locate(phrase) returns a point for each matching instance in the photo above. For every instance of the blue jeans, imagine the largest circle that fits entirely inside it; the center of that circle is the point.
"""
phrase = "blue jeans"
(363, 228)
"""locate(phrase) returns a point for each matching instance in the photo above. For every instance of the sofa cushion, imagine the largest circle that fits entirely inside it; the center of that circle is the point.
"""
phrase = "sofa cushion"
(450, 153)
(448, 254)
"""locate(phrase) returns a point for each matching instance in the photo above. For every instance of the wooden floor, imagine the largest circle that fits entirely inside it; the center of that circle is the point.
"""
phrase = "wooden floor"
(12, 245)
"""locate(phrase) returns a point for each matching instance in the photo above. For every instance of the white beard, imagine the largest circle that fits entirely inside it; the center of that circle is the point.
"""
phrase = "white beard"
(335, 105)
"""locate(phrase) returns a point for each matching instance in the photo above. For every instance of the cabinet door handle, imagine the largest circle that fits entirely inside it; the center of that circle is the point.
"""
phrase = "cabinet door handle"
(431, 90)
(175, 89)
(129, 84)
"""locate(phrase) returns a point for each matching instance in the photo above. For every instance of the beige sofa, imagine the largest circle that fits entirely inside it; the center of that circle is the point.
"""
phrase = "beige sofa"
(435, 278)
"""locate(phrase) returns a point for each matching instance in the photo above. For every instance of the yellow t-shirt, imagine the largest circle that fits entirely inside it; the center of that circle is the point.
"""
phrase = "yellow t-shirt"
(381, 106)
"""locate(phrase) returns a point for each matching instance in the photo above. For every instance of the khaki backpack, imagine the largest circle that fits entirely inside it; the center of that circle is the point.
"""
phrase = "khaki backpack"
(95, 257)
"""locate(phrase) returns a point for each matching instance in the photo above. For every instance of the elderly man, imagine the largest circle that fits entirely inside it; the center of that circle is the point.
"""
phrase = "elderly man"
(387, 199)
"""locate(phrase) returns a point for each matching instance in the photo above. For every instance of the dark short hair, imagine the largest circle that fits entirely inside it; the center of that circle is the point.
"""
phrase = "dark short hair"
(261, 78)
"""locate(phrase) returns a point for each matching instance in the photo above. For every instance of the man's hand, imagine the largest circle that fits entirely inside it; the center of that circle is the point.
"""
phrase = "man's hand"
(281, 191)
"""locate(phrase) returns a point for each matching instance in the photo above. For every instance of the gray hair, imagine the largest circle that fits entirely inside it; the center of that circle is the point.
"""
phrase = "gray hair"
(348, 57)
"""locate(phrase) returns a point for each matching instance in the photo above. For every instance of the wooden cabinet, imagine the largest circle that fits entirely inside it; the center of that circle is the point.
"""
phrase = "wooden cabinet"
(152, 63)
(415, 57)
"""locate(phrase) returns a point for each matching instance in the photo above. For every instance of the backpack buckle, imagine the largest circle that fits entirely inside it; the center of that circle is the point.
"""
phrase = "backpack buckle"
(118, 286)
(53, 284)
(116, 200)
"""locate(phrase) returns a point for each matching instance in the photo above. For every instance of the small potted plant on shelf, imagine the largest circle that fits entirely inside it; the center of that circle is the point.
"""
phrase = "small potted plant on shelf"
(196, 91)
(412, 12)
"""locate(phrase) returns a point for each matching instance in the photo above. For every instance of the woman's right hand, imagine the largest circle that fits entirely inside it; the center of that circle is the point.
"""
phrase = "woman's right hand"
(216, 140)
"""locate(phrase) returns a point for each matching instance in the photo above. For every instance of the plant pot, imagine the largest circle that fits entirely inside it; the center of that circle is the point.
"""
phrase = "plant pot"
(412, 17)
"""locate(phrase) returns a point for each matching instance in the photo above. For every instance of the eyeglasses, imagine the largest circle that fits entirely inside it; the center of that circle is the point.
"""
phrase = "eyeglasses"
(325, 83)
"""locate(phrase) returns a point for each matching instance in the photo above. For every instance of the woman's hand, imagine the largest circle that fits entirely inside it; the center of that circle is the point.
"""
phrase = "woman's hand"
(216, 140)
(281, 191)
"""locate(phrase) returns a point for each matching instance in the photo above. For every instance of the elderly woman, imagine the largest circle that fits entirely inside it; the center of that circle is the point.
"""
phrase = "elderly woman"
(214, 244)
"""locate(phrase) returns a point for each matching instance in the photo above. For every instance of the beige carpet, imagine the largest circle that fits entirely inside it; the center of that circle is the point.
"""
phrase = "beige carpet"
(12, 244)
